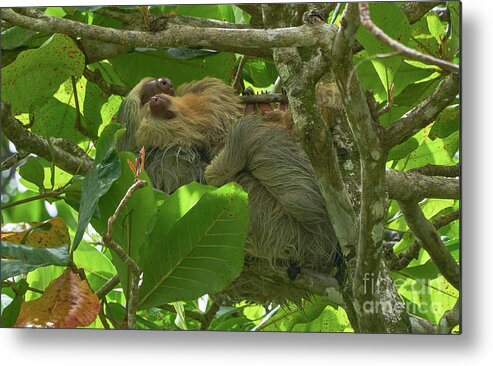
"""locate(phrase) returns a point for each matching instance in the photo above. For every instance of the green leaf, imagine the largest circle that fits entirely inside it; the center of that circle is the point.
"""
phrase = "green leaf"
(27, 258)
(315, 316)
(437, 29)
(33, 171)
(259, 73)
(453, 42)
(33, 78)
(97, 182)
(136, 220)
(56, 118)
(446, 123)
(11, 311)
(438, 152)
(16, 37)
(158, 63)
(402, 150)
(392, 20)
(97, 267)
(184, 53)
(428, 299)
(201, 253)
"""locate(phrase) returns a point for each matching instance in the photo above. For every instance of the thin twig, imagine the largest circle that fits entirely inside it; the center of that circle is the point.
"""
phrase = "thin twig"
(50, 194)
(399, 47)
(126, 259)
(97, 78)
(13, 159)
(108, 286)
(239, 72)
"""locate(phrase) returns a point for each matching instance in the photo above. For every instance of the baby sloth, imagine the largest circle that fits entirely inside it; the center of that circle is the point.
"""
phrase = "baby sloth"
(289, 226)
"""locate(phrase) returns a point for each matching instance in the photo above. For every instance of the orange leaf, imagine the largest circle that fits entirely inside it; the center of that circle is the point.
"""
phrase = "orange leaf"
(68, 302)
(47, 234)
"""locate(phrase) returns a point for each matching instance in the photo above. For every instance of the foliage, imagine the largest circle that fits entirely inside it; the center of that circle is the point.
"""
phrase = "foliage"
(181, 242)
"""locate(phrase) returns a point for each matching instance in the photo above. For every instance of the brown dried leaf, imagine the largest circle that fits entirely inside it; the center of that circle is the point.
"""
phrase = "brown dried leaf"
(68, 302)
(47, 234)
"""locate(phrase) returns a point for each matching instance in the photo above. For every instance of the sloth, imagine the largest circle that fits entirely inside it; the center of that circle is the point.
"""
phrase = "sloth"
(207, 109)
(199, 134)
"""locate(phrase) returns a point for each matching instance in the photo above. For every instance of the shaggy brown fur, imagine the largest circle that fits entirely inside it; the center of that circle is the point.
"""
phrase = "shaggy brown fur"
(176, 152)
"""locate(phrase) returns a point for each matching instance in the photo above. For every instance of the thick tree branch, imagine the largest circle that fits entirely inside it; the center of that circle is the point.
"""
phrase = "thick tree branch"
(430, 240)
(53, 150)
(317, 142)
(265, 98)
(424, 113)
(372, 157)
(405, 186)
(220, 39)
(407, 52)
(373, 293)
(415, 10)
(438, 170)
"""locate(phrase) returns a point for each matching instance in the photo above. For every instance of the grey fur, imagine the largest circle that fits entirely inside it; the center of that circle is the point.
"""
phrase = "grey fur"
(288, 219)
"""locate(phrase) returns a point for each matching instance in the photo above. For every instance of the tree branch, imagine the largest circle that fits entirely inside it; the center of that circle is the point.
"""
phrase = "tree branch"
(449, 320)
(126, 259)
(96, 77)
(108, 286)
(405, 186)
(221, 39)
(415, 10)
(430, 240)
(13, 159)
(424, 113)
(397, 46)
(438, 170)
(401, 261)
(54, 150)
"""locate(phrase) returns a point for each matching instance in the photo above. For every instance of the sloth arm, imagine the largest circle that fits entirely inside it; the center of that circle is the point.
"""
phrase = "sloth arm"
(233, 158)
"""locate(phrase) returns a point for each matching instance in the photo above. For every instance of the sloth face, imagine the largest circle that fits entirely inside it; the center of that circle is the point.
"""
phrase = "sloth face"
(152, 87)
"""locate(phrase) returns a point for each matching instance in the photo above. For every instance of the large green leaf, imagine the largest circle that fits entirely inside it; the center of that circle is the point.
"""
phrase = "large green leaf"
(201, 253)
(130, 70)
(15, 37)
(58, 115)
(35, 75)
(26, 259)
